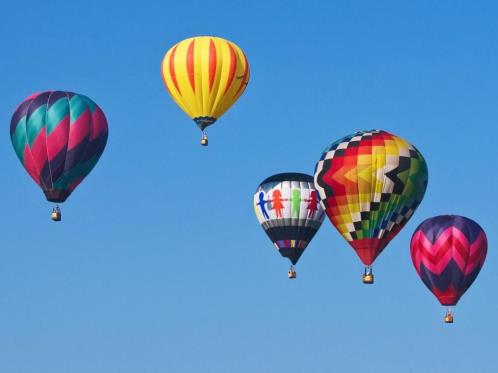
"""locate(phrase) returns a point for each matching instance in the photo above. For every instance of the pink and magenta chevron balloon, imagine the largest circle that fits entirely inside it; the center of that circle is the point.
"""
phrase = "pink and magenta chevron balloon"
(448, 251)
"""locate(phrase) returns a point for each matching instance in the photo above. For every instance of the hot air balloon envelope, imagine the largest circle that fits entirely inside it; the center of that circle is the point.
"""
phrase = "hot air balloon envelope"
(288, 209)
(448, 251)
(370, 184)
(58, 137)
(205, 75)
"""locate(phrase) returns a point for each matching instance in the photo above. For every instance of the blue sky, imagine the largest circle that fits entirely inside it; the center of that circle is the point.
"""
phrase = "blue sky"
(160, 264)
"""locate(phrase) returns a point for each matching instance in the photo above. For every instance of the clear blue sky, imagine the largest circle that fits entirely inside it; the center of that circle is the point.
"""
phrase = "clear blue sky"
(160, 264)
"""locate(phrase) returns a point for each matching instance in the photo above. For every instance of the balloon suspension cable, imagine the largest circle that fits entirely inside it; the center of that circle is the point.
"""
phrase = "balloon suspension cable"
(448, 318)
(368, 277)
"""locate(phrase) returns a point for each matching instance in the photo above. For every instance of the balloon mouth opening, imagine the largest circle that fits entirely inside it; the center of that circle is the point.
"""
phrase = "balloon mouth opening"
(56, 195)
(203, 122)
(448, 300)
(291, 253)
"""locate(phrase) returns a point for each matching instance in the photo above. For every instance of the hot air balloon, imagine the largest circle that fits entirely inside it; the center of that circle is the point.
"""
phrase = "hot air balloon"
(370, 183)
(205, 75)
(59, 137)
(287, 207)
(448, 251)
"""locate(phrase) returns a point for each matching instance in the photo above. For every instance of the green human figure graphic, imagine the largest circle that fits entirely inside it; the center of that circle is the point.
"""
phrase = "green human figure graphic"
(295, 203)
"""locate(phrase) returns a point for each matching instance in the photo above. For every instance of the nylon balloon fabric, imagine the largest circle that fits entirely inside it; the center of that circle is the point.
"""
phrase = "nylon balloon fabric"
(448, 253)
(370, 183)
(205, 75)
(288, 209)
(58, 137)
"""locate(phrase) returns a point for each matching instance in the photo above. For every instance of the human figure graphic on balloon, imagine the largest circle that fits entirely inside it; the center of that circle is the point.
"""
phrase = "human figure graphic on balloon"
(312, 204)
(312, 201)
(262, 203)
(296, 203)
(277, 203)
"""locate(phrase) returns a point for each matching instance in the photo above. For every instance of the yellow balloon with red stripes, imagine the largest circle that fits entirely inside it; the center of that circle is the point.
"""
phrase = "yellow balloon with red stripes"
(205, 75)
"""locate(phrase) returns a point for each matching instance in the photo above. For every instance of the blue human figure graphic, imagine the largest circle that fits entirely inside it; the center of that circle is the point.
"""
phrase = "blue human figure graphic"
(261, 204)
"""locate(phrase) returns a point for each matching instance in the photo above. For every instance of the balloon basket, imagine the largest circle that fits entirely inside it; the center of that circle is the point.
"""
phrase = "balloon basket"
(56, 214)
(448, 318)
(204, 140)
(291, 274)
(368, 277)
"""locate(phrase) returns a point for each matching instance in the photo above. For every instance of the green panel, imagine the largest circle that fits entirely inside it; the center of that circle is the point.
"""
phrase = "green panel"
(57, 112)
(92, 105)
(19, 140)
(403, 175)
(80, 170)
(36, 122)
(77, 106)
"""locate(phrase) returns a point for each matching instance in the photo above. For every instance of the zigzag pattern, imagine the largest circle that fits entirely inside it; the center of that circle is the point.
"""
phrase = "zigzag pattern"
(58, 137)
(370, 184)
(452, 245)
(448, 252)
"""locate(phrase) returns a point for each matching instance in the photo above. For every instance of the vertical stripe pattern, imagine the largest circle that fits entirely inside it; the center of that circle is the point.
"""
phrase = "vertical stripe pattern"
(205, 75)
(288, 208)
(58, 137)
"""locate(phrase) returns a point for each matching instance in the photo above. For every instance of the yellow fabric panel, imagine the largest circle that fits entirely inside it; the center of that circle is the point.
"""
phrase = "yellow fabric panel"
(218, 75)
(187, 95)
(168, 82)
(222, 75)
(238, 84)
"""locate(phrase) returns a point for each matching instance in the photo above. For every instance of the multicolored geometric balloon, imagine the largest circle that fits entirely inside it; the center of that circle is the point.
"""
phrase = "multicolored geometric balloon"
(370, 183)
(448, 251)
(205, 75)
(288, 208)
(58, 137)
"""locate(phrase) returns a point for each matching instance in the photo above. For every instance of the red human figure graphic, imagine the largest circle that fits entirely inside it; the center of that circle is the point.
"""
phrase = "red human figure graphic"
(312, 204)
(277, 202)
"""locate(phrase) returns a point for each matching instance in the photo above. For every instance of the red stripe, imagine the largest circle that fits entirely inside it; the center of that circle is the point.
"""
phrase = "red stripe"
(39, 151)
(233, 66)
(57, 140)
(190, 64)
(212, 63)
(99, 123)
(30, 166)
(163, 77)
(80, 130)
(244, 79)
(172, 69)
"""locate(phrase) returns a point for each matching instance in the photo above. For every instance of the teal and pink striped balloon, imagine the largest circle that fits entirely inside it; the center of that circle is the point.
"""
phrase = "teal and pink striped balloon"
(59, 137)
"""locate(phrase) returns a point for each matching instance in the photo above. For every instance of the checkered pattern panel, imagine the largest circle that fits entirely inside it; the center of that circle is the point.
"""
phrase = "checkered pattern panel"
(370, 183)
